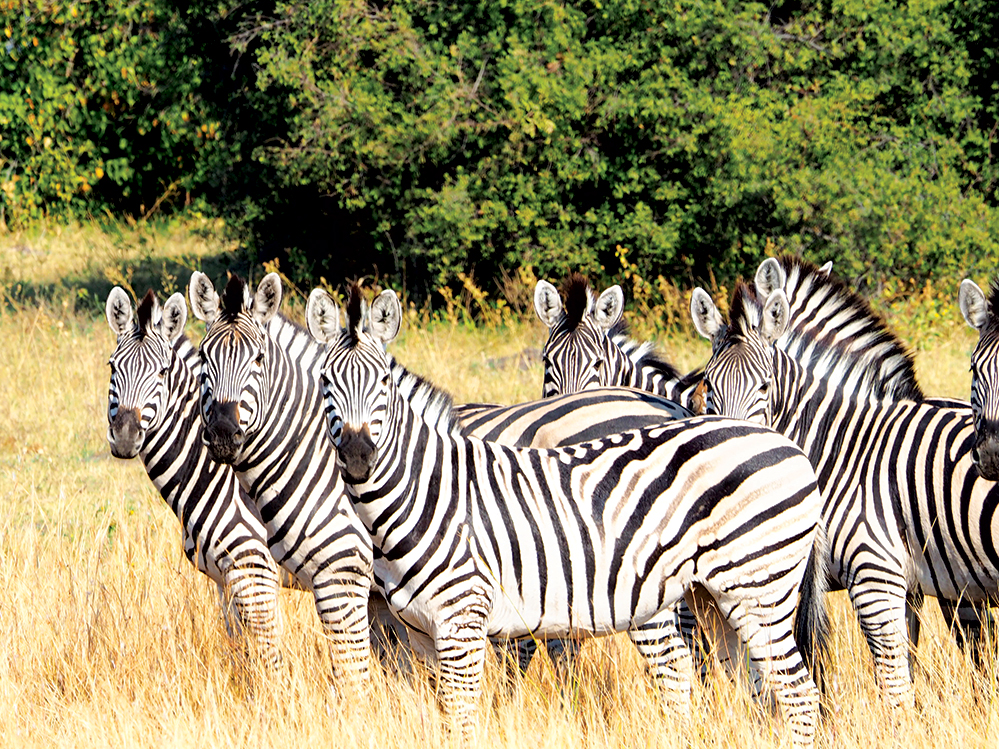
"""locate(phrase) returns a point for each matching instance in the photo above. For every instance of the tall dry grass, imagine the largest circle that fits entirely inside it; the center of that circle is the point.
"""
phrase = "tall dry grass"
(109, 637)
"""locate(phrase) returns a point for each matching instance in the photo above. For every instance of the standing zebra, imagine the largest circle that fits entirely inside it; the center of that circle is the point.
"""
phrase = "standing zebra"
(262, 414)
(588, 345)
(479, 539)
(906, 512)
(153, 413)
(980, 314)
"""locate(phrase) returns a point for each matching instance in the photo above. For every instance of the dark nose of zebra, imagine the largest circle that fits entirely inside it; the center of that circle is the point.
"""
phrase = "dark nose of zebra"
(222, 434)
(357, 453)
(125, 433)
(986, 456)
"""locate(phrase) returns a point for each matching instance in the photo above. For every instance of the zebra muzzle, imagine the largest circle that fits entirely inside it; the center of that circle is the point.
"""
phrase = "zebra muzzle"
(985, 454)
(357, 453)
(125, 433)
(222, 435)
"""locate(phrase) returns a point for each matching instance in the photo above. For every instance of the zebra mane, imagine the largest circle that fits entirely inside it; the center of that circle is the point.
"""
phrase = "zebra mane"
(833, 329)
(234, 296)
(144, 313)
(434, 405)
(578, 300)
(642, 355)
(354, 312)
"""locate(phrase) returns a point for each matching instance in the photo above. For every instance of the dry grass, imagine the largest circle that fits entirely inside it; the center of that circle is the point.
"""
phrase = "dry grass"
(109, 637)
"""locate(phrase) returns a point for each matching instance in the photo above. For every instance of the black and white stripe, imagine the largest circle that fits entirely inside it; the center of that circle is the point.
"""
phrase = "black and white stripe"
(478, 539)
(153, 413)
(262, 412)
(906, 512)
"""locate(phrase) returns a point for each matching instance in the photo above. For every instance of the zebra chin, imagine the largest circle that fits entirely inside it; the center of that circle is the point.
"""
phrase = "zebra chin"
(223, 450)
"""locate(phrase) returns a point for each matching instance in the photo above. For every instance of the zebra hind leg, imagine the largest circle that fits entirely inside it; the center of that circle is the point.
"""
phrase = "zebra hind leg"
(974, 629)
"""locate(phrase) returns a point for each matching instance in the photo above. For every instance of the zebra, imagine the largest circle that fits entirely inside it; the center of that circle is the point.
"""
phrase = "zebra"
(979, 312)
(588, 345)
(254, 326)
(153, 413)
(479, 539)
(906, 513)
(262, 414)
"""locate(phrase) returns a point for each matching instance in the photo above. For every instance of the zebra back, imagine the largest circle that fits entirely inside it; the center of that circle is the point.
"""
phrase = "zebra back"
(980, 313)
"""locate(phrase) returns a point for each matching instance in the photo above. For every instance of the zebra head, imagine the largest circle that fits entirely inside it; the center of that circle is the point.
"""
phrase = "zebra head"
(979, 312)
(580, 352)
(739, 377)
(140, 366)
(357, 379)
(234, 373)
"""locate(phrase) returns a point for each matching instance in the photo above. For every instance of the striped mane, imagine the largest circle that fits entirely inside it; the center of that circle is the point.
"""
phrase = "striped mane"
(578, 300)
(434, 405)
(835, 331)
(642, 355)
(144, 314)
(234, 297)
(993, 319)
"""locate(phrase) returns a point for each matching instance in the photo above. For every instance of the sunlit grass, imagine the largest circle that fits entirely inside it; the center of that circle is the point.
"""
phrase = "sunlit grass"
(109, 637)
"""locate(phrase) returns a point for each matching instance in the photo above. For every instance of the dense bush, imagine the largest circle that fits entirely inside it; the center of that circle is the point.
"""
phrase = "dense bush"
(432, 139)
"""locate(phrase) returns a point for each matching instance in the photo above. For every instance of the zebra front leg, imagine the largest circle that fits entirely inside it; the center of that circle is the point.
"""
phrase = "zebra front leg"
(249, 596)
(342, 605)
(460, 644)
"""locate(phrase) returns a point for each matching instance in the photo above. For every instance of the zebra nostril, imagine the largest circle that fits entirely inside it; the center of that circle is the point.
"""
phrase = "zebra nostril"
(237, 438)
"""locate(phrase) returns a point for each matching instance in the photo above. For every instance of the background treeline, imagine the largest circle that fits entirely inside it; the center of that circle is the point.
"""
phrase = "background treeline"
(430, 142)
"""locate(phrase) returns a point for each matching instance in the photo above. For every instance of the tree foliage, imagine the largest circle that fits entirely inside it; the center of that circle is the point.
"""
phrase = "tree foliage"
(432, 139)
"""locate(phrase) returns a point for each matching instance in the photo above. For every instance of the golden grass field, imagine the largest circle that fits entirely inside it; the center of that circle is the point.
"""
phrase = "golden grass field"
(108, 636)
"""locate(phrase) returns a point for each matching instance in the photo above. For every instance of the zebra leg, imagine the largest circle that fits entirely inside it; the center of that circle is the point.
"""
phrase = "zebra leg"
(342, 604)
(667, 657)
(973, 626)
(881, 612)
(249, 596)
(763, 618)
(696, 644)
(460, 644)
(913, 605)
(390, 639)
(516, 656)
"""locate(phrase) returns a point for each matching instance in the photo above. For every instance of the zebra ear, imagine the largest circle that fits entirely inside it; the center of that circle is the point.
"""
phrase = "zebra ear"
(547, 303)
(267, 300)
(119, 311)
(174, 317)
(826, 269)
(974, 306)
(770, 276)
(776, 316)
(385, 316)
(707, 318)
(322, 316)
(204, 300)
(610, 307)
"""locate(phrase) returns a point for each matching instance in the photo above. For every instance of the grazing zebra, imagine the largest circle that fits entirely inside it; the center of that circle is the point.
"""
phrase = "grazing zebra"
(906, 513)
(262, 414)
(979, 312)
(153, 413)
(588, 345)
(477, 539)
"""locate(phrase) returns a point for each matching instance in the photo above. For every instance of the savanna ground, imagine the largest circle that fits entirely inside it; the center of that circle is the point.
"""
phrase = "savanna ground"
(109, 637)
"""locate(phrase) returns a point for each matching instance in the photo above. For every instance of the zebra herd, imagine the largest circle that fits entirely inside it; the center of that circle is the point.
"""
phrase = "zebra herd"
(631, 498)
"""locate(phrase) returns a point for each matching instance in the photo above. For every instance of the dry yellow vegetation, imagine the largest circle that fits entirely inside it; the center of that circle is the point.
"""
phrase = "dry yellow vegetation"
(108, 636)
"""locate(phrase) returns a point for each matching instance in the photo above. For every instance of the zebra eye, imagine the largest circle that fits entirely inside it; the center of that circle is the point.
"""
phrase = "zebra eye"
(259, 359)
(163, 372)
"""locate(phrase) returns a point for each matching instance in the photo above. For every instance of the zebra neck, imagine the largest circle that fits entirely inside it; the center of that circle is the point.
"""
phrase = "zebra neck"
(173, 450)
(291, 412)
(640, 367)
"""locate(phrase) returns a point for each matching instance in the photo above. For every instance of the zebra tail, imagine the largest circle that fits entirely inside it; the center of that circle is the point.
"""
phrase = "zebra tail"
(811, 621)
